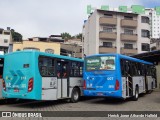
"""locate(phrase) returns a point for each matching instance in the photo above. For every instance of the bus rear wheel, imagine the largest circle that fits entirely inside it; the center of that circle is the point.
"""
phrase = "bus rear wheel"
(75, 95)
(135, 97)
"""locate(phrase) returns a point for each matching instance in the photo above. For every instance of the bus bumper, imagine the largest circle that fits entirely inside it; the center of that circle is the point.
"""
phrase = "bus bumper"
(20, 96)
(116, 94)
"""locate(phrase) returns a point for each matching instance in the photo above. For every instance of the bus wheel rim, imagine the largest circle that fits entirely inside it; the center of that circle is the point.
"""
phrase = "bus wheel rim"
(136, 94)
(76, 95)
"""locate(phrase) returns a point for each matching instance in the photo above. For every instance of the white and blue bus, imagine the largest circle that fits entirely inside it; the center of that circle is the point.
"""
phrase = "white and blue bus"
(119, 76)
(42, 76)
(1, 73)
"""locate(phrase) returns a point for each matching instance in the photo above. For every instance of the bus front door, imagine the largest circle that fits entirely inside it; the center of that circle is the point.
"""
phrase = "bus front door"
(62, 75)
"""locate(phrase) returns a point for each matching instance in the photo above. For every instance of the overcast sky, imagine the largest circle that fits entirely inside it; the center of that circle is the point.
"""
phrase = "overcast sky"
(41, 18)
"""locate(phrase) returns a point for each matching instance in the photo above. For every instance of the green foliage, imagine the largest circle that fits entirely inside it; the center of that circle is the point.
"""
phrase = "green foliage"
(17, 37)
(66, 36)
(79, 36)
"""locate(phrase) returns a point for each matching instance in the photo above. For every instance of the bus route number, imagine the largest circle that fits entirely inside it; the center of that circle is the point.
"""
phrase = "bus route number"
(109, 78)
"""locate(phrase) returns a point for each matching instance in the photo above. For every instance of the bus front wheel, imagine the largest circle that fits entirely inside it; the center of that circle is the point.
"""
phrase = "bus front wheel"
(135, 97)
(75, 95)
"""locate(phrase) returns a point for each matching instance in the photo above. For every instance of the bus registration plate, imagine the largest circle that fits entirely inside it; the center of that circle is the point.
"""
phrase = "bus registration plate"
(16, 90)
(100, 94)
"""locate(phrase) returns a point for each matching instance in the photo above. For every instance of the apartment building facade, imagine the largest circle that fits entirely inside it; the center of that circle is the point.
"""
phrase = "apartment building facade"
(5, 41)
(154, 22)
(116, 32)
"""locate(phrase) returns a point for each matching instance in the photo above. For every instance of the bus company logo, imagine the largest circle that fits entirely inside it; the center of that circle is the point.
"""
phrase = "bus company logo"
(6, 114)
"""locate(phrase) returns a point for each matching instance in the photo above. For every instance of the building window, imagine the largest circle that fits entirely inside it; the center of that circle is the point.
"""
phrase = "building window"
(51, 51)
(128, 17)
(144, 19)
(145, 47)
(128, 46)
(145, 33)
(106, 29)
(128, 31)
(5, 41)
(109, 28)
(107, 44)
(31, 49)
(6, 33)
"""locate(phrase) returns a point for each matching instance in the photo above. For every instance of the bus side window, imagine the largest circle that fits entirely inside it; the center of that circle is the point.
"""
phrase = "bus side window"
(51, 70)
(46, 66)
(76, 69)
(143, 69)
(64, 70)
(138, 67)
(133, 69)
(81, 69)
(148, 70)
(122, 67)
(58, 69)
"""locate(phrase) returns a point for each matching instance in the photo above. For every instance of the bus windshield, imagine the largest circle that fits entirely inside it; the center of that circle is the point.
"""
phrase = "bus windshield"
(100, 63)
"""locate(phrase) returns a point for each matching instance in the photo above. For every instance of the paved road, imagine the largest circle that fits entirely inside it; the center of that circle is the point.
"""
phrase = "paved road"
(147, 102)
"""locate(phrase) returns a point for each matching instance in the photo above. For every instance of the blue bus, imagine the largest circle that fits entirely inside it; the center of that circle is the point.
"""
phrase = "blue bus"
(1, 73)
(42, 76)
(117, 76)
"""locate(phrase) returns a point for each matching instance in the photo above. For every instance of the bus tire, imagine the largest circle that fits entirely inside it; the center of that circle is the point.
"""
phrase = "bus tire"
(135, 97)
(75, 95)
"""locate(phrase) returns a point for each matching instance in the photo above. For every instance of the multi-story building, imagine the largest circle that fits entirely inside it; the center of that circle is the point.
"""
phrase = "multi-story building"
(72, 47)
(5, 41)
(116, 32)
(154, 22)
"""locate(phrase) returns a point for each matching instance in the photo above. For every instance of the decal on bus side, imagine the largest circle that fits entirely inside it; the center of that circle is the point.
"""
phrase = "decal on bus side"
(109, 78)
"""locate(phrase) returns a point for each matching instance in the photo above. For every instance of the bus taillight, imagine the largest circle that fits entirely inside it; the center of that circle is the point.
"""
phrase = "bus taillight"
(117, 85)
(30, 85)
(4, 85)
(84, 84)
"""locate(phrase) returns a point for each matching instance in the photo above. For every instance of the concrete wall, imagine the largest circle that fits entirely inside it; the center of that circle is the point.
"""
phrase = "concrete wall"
(91, 38)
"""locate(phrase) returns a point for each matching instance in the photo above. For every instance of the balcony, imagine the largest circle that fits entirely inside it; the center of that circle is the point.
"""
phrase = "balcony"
(103, 49)
(107, 21)
(129, 51)
(108, 35)
(129, 23)
(132, 37)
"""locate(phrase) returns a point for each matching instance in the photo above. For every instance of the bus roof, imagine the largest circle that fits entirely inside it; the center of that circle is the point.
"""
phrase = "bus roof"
(47, 54)
(122, 56)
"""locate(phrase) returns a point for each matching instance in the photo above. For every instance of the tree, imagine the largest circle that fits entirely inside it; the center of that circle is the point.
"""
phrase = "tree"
(79, 36)
(17, 37)
(66, 36)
